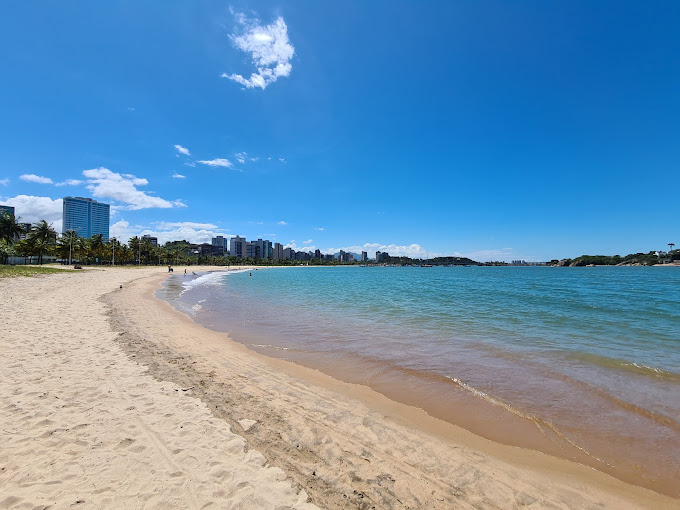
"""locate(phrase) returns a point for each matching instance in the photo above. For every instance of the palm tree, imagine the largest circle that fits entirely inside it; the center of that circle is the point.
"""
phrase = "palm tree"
(135, 245)
(42, 239)
(123, 254)
(147, 249)
(670, 245)
(82, 246)
(10, 228)
(113, 249)
(66, 244)
(97, 246)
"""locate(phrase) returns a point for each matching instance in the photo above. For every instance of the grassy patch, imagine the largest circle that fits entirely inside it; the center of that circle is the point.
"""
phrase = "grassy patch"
(15, 271)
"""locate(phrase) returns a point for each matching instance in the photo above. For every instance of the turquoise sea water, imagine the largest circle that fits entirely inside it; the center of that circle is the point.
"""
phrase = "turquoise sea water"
(579, 362)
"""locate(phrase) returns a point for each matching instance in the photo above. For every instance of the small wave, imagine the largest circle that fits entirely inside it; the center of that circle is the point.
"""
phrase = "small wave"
(271, 347)
(535, 419)
(629, 366)
(212, 278)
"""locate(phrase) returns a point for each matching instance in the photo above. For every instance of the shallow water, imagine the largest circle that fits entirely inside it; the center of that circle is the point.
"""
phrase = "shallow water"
(583, 363)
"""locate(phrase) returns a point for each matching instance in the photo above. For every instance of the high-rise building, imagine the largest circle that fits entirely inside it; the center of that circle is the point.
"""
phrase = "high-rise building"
(364, 256)
(289, 254)
(7, 209)
(277, 252)
(317, 254)
(153, 240)
(252, 250)
(86, 217)
(237, 247)
(219, 246)
(377, 256)
(267, 249)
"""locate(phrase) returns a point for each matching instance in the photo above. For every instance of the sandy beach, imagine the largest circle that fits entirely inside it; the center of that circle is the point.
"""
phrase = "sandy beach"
(111, 398)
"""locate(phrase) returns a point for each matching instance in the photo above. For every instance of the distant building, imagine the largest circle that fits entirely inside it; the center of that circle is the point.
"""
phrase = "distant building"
(252, 250)
(205, 249)
(261, 249)
(27, 230)
(152, 240)
(237, 247)
(381, 255)
(289, 254)
(364, 256)
(377, 256)
(219, 246)
(7, 209)
(86, 217)
(277, 251)
(317, 254)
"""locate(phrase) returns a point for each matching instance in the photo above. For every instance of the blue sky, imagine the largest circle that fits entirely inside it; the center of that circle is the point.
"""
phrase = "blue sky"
(496, 130)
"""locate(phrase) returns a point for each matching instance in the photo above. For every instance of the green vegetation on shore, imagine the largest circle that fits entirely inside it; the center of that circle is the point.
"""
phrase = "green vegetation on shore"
(632, 259)
(15, 271)
(436, 261)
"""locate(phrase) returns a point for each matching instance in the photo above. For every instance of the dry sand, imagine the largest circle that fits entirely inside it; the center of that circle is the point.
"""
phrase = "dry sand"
(110, 398)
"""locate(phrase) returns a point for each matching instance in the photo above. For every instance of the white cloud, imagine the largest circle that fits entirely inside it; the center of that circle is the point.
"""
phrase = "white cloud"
(32, 209)
(103, 183)
(178, 176)
(35, 178)
(164, 225)
(269, 48)
(282, 160)
(120, 230)
(304, 247)
(4, 182)
(319, 228)
(242, 157)
(69, 182)
(131, 108)
(182, 150)
(217, 162)
(308, 241)
(189, 231)
(282, 223)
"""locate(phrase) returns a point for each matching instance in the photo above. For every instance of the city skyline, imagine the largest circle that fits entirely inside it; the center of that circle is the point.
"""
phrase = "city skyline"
(495, 132)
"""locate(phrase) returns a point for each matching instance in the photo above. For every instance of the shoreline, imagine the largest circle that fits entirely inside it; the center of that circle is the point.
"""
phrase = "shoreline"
(401, 414)
(628, 454)
(133, 385)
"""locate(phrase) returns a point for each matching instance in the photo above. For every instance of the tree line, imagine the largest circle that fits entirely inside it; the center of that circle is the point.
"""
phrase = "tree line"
(42, 240)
